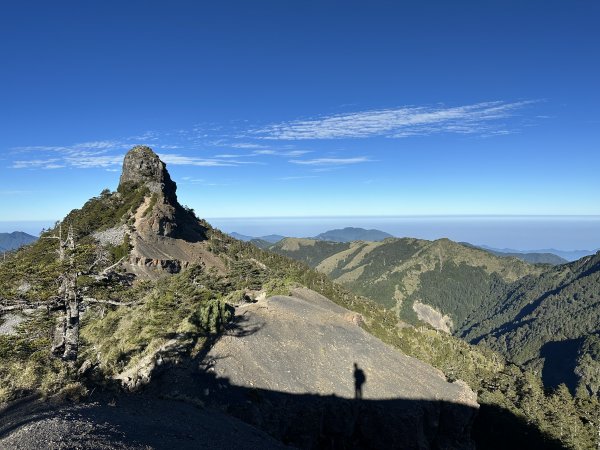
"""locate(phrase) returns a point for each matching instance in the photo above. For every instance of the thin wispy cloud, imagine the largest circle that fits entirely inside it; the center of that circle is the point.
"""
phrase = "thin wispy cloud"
(91, 161)
(182, 147)
(37, 164)
(397, 122)
(108, 155)
(265, 152)
(293, 153)
(246, 145)
(180, 160)
(331, 161)
(299, 177)
(202, 182)
(285, 153)
(92, 154)
(230, 156)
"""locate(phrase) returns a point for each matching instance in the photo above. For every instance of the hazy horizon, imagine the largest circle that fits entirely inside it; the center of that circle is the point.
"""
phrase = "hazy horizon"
(525, 232)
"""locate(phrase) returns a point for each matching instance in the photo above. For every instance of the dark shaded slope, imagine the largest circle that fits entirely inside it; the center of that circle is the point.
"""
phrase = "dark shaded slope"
(542, 321)
(113, 421)
(225, 416)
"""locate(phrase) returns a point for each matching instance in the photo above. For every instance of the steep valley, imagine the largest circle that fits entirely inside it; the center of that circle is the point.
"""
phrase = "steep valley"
(544, 318)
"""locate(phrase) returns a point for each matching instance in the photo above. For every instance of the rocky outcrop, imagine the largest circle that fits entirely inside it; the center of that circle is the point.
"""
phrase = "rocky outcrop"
(160, 214)
(142, 166)
(113, 236)
(289, 366)
(165, 236)
(166, 265)
(433, 317)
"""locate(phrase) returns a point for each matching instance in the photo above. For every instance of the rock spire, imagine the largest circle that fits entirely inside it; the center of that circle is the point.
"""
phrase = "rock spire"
(142, 166)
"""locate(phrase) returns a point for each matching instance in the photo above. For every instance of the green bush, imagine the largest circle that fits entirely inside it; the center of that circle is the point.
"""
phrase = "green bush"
(212, 316)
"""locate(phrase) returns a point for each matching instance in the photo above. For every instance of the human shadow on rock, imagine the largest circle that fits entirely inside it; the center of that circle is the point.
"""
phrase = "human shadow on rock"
(312, 421)
(307, 420)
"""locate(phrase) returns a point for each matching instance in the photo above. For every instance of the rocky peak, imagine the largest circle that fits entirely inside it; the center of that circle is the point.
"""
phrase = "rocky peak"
(142, 166)
(160, 215)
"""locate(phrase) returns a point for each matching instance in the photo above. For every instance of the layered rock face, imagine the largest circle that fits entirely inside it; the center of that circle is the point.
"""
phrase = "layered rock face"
(162, 214)
(165, 236)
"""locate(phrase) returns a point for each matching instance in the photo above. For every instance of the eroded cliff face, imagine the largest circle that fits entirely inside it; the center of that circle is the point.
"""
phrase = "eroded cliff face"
(160, 214)
(164, 235)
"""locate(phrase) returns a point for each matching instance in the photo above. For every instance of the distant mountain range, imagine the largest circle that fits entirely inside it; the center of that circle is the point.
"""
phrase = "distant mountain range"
(533, 257)
(15, 240)
(350, 234)
(347, 234)
(568, 255)
(271, 238)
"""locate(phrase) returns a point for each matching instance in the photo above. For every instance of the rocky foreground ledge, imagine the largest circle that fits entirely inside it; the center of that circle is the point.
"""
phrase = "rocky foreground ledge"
(282, 375)
(287, 367)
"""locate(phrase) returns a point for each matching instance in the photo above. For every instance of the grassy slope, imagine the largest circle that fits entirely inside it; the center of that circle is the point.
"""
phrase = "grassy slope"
(453, 278)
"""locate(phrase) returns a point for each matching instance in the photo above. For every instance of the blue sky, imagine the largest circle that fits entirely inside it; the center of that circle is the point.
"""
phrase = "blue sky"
(282, 108)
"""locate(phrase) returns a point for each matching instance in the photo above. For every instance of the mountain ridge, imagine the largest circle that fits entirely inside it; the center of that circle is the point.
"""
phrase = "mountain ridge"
(396, 271)
(569, 255)
(539, 315)
(14, 240)
(350, 234)
(530, 257)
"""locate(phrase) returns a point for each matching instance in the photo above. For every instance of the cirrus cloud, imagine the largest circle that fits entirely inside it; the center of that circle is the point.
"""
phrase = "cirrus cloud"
(330, 161)
(479, 118)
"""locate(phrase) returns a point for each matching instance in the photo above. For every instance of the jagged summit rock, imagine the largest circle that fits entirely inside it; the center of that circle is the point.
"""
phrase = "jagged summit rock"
(164, 234)
(142, 166)
(160, 214)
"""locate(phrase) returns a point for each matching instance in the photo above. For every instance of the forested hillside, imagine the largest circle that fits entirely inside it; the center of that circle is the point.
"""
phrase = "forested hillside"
(439, 282)
(549, 323)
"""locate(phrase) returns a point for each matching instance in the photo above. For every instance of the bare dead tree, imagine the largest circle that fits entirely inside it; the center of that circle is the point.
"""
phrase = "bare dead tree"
(71, 304)
(62, 245)
(66, 338)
